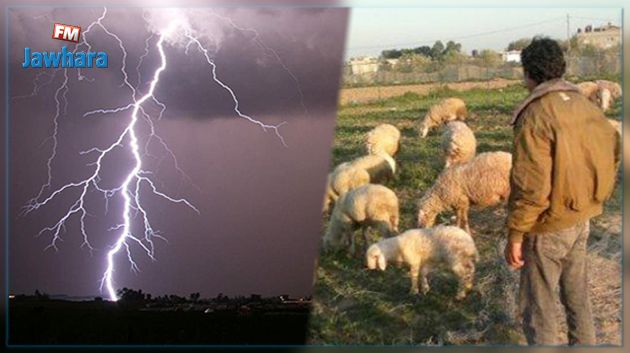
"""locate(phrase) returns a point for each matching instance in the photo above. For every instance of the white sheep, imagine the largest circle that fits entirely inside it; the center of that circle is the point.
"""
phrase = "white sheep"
(458, 143)
(343, 179)
(383, 138)
(589, 89)
(380, 166)
(446, 110)
(613, 87)
(424, 249)
(349, 175)
(484, 181)
(368, 206)
(601, 92)
(618, 125)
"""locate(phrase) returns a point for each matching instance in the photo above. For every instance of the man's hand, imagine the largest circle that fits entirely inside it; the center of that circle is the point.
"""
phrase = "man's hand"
(514, 254)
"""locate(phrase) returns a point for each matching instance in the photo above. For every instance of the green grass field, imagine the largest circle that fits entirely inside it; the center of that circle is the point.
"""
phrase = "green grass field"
(355, 306)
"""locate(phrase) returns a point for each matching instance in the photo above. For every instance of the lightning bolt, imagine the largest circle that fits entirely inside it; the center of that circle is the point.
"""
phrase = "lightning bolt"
(268, 51)
(137, 179)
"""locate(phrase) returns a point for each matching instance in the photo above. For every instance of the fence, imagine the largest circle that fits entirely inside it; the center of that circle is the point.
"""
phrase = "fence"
(595, 65)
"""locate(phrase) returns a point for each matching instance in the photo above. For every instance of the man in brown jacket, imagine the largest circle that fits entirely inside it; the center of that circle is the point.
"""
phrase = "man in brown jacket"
(563, 170)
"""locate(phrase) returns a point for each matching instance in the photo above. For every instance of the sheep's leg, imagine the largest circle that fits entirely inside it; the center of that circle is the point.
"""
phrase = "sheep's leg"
(366, 239)
(424, 282)
(465, 221)
(463, 216)
(384, 228)
(343, 232)
(353, 246)
(414, 273)
(335, 235)
(458, 217)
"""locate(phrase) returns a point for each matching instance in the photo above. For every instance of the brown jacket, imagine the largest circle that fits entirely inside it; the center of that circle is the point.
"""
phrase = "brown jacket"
(564, 158)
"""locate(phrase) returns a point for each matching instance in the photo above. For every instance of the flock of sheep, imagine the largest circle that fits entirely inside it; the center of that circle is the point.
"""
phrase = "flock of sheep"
(358, 199)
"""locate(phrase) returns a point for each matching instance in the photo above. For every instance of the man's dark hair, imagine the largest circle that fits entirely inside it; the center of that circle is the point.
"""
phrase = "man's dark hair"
(543, 60)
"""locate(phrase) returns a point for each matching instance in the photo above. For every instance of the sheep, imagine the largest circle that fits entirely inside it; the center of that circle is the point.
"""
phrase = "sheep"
(458, 143)
(617, 124)
(484, 181)
(368, 206)
(384, 138)
(589, 89)
(609, 92)
(446, 110)
(422, 249)
(343, 179)
(613, 87)
(604, 99)
(379, 168)
(600, 92)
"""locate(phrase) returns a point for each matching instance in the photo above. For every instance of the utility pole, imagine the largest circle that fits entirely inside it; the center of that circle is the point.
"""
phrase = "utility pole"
(568, 35)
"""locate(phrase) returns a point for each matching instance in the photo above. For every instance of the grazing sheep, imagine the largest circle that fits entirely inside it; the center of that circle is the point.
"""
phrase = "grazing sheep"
(384, 138)
(458, 143)
(446, 110)
(370, 205)
(589, 90)
(604, 98)
(379, 169)
(343, 179)
(381, 166)
(484, 181)
(422, 249)
(610, 91)
(613, 87)
(617, 124)
(600, 92)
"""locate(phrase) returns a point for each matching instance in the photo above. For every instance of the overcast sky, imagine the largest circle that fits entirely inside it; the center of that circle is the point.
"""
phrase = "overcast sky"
(374, 29)
(259, 225)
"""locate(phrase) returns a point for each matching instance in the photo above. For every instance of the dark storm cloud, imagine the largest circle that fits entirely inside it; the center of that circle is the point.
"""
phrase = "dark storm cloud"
(260, 202)
(300, 37)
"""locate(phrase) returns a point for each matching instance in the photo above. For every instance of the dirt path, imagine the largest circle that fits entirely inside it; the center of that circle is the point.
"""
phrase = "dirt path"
(367, 94)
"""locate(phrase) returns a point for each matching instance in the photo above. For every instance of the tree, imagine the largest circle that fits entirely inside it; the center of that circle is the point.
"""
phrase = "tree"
(129, 298)
(452, 47)
(424, 50)
(519, 44)
(413, 63)
(391, 54)
(40, 295)
(194, 296)
(489, 57)
(437, 50)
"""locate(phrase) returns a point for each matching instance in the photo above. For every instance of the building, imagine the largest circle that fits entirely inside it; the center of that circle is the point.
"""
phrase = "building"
(363, 65)
(603, 37)
(511, 56)
(392, 62)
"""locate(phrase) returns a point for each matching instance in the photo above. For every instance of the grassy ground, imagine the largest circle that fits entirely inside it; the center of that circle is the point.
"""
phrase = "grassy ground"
(356, 306)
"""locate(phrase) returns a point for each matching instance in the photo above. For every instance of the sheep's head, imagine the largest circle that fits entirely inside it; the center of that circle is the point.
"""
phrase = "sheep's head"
(374, 258)
(393, 222)
(330, 242)
(328, 196)
(426, 219)
(326, 206)
(604, 99)
(425, 125)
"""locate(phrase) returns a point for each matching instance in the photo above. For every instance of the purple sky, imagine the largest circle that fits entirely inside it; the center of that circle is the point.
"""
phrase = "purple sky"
(260, 202)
